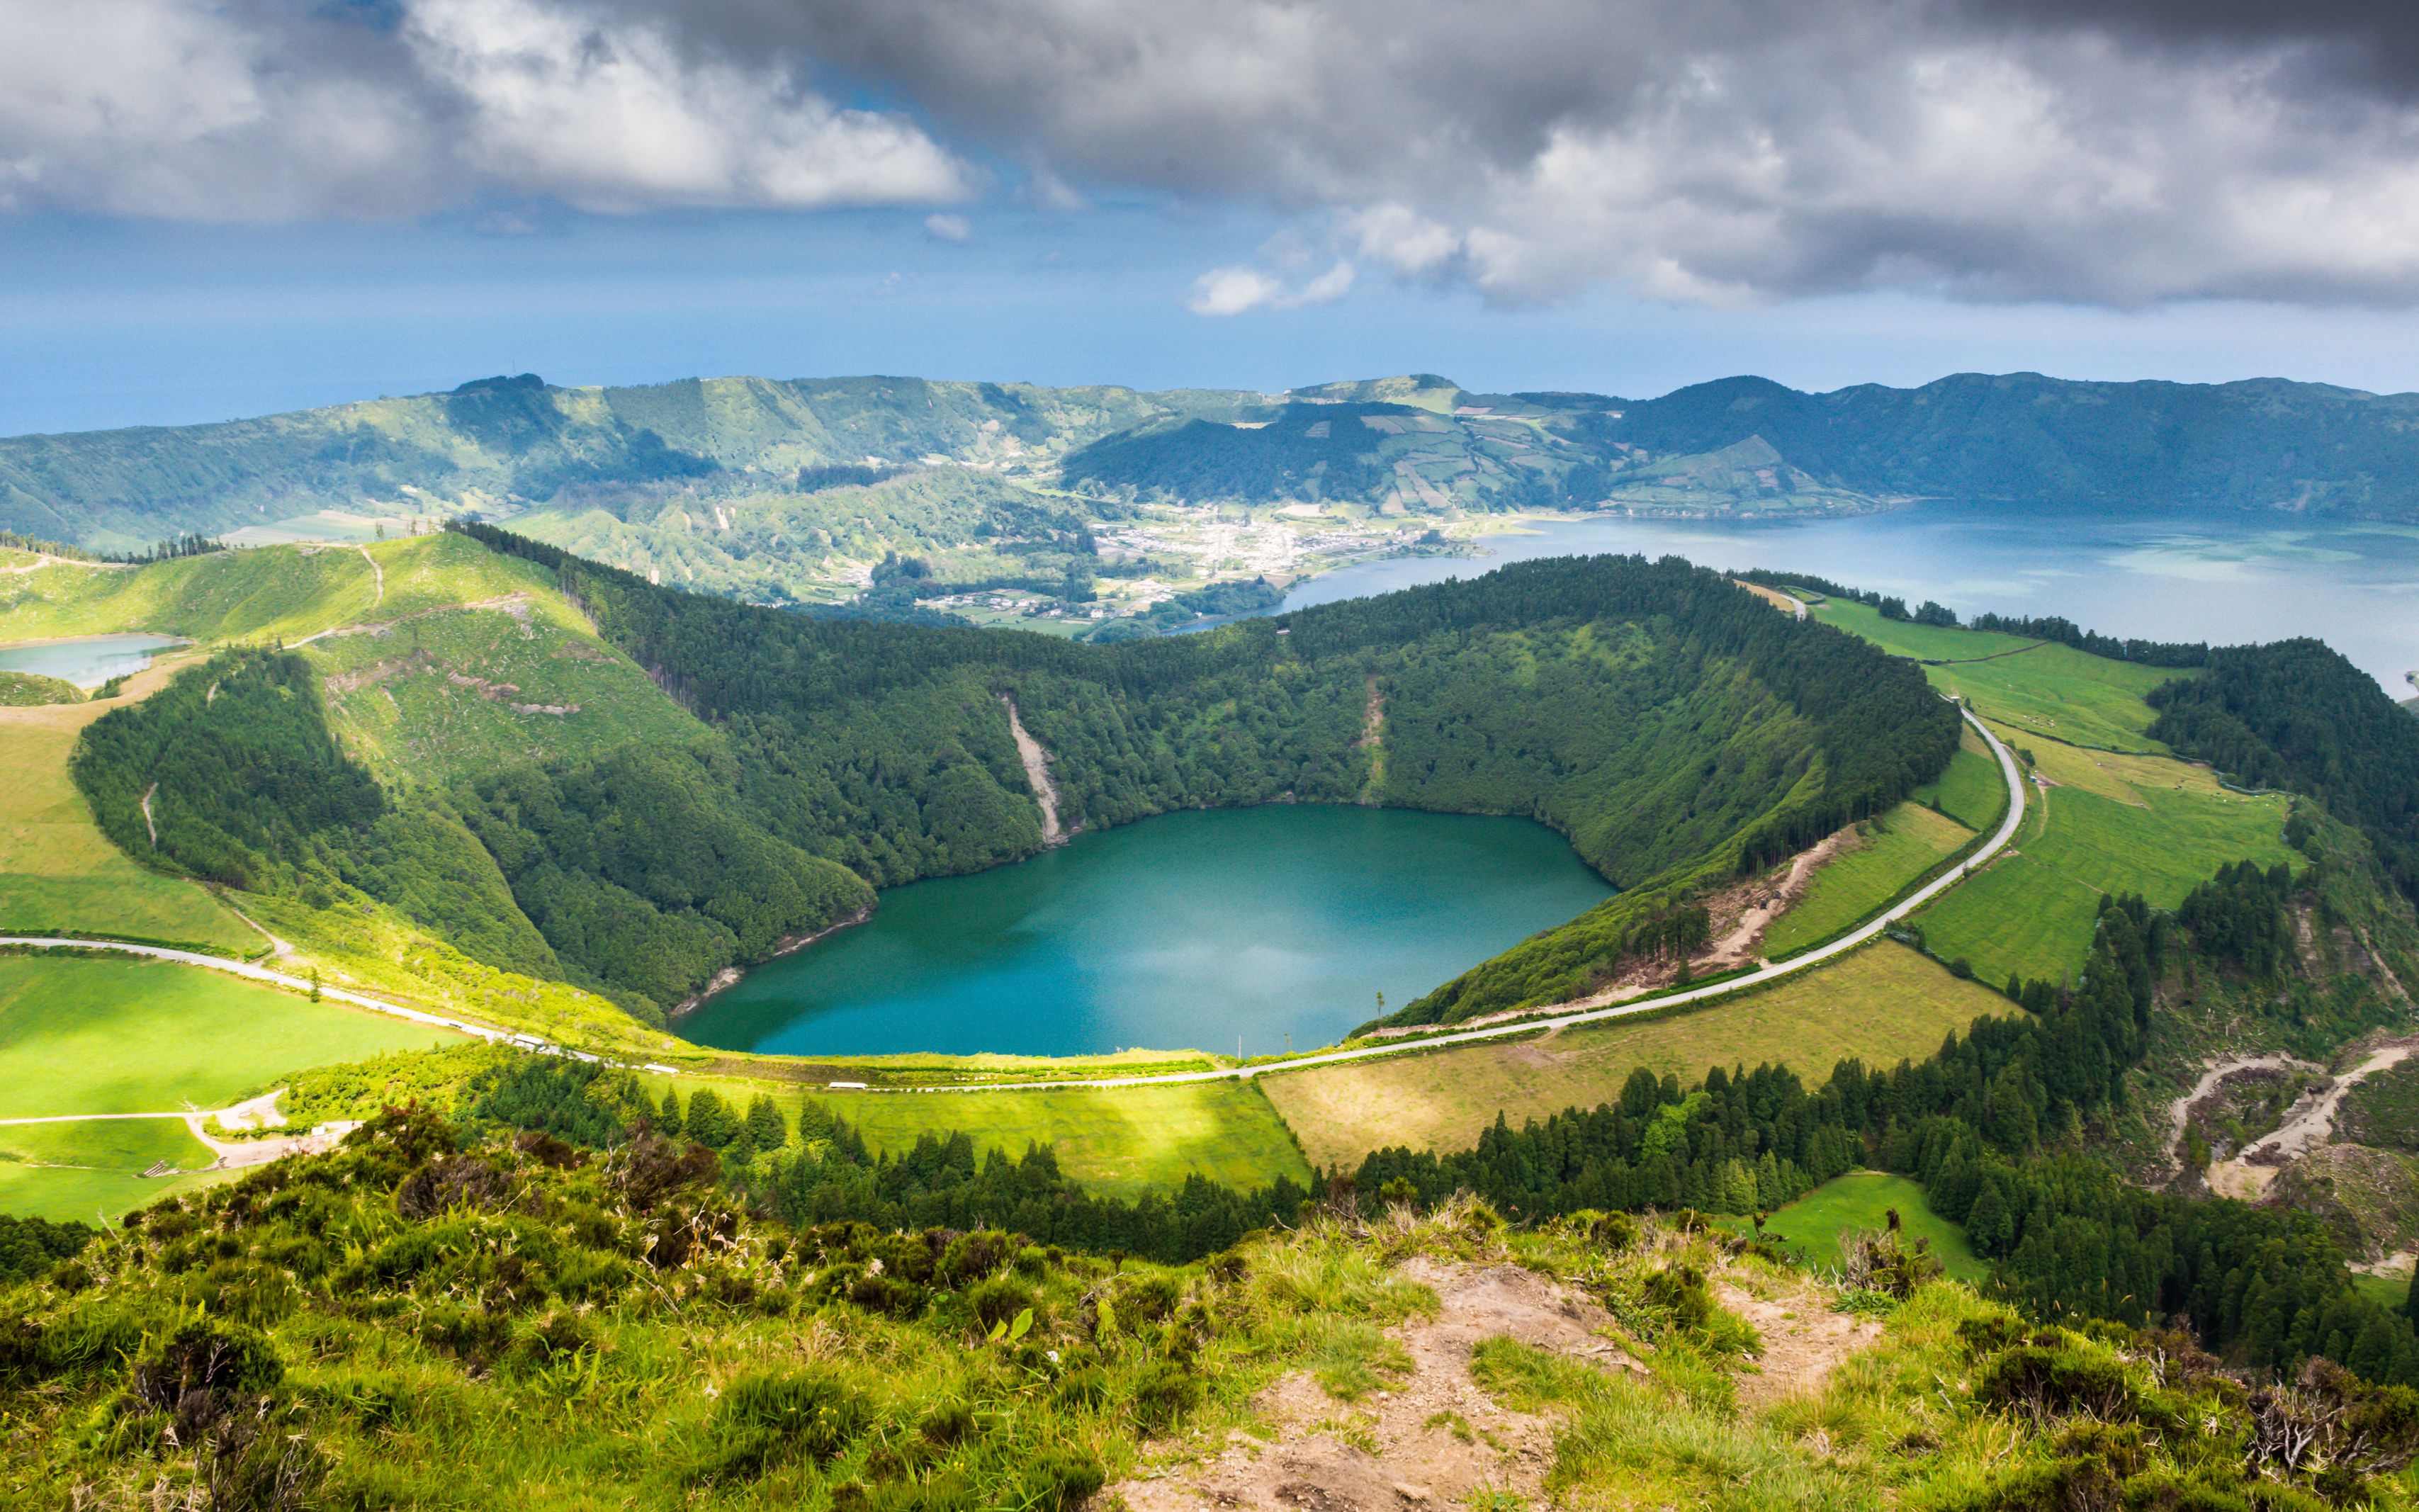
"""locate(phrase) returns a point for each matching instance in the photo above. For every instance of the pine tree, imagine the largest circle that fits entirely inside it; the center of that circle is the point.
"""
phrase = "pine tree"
(711, 1122)
(766, 1128)
(669, 1123)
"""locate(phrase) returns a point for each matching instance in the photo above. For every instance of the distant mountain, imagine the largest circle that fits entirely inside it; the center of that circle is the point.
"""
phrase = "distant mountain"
(504, 444)
(1418, 444)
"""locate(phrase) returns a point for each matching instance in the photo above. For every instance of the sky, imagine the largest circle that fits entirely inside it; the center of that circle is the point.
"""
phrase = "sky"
(216, 208)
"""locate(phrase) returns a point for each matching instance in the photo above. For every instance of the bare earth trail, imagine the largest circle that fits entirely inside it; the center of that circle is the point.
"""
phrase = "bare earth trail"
(1037, 774)
(2309, 1123)
(1545, 1019)
(1434, 1438)
(2180, 1111)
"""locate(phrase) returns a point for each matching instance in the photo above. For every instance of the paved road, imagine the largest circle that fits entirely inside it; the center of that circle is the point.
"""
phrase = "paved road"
(276, 979)
(1997, 843)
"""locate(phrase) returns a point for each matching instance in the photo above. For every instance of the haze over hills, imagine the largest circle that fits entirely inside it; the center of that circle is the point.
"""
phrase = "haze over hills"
(631, 467)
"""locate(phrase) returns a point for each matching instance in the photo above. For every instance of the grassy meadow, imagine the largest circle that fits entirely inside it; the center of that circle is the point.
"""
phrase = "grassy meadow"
(2105, 823)
(59, 873)
(1811, 1227)
(92, 1170)
(1891, 851)
(1882, 1004)
(1971, 791)
(1924, 643)
(459, 692)
(87, 1035)
(2036, 687)
(1121, 1140)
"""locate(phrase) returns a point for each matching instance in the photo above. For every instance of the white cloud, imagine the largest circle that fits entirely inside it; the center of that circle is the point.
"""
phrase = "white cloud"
(1237, 289)
(236, 109)
(941, 227)
(615, 118)
(1714, 150)
(1232, 290)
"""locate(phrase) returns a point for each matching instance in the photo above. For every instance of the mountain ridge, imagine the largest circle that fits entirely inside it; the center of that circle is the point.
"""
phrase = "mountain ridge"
(646, 474)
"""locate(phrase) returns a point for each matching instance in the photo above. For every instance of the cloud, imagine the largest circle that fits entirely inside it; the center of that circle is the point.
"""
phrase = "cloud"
(945, 227)
(2116, 151)
(2105, 151)
(264, 109)
(1233, 290)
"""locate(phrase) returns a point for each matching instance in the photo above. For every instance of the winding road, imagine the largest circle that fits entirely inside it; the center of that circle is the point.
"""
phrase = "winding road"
(1548, 1019)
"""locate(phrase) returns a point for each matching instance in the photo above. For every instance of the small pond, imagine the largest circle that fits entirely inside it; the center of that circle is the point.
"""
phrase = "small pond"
(88, 661)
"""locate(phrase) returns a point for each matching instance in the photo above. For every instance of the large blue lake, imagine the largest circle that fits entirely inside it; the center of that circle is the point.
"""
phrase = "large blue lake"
(1188, 931)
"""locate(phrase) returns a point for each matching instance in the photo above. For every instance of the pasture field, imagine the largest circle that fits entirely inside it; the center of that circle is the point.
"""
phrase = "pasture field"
(1881, 1004)
(2107, 823)
(59, 873)
(2039, 687)
(81, 1035)
(1811, 1226)
(92, 1170)
(1120, 1140)
(287, 592)
(1971, 791)
(1893, 849)
(2015, 917)
(280, 591)
(2061, 693)
(1924, 643)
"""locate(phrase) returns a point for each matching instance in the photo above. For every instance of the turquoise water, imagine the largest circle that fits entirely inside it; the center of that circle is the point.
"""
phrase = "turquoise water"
(87, 662)
(1187, 930)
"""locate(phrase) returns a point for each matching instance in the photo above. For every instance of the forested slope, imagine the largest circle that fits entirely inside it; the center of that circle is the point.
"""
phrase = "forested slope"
(1674, 728)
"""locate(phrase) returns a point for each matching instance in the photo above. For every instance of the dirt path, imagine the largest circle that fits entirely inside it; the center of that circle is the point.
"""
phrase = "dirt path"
(2180, 1111)
(1037, 773)
(1804, 1340)
(2309, 1123)
(147, 815)
(1430, 1442)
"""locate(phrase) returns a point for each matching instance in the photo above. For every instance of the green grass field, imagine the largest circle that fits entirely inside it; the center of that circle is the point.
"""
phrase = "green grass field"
(2060, 692)
(100, 1036)
(1882, 1004)
(2048, 689)
(1925, 643)
(2109, 822)
(1121, 1140)
(59, 873)
(287, 592)
(2018, 917)
(1971, 791)
(92, 1170)
(1893, 851)
(1811, 1226)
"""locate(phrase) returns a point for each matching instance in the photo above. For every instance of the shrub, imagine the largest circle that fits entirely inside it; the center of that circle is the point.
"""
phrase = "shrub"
(2055, 1375)
(770, 1417)
(1164, 1394)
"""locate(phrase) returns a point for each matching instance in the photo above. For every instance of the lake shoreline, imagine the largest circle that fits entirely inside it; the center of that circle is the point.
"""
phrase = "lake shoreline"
(730, 977)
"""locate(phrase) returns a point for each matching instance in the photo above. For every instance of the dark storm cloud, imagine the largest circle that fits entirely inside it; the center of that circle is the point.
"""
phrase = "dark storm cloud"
(1719, 150)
